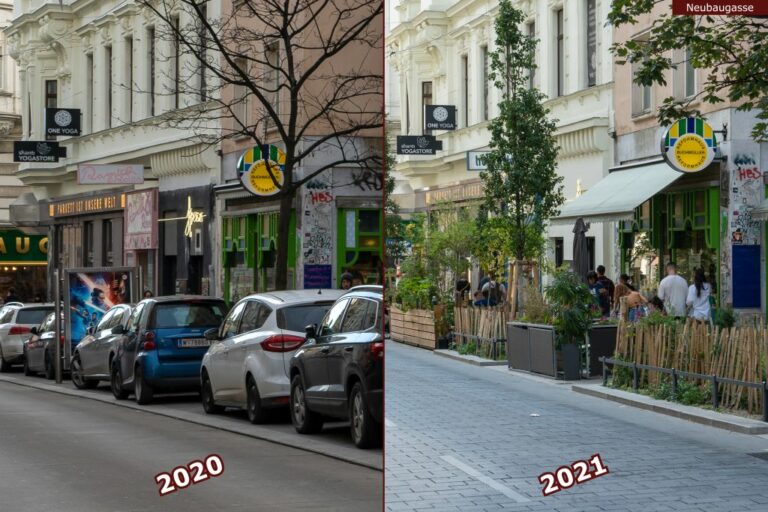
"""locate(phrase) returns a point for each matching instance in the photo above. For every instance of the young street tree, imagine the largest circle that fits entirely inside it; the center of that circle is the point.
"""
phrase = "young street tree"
(522, 187)
(732, 48)
(304, 75)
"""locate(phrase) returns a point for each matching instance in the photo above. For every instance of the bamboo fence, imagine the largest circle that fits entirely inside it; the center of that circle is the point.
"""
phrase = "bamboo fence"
(479, 325)
(737, 353)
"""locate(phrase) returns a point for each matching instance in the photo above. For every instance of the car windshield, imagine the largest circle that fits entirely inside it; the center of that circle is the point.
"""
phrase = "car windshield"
(296, 318)
(32, 316)
(198, 314)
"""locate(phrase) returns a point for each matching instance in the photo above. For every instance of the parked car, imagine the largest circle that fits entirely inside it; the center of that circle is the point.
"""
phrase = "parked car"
(338, 371)
(247, 364)
(16, 322)
(92, 357)
(164, 346)
(39, 348)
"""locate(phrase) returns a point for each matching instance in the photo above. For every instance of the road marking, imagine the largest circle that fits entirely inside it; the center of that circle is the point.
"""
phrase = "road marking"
(490, 482)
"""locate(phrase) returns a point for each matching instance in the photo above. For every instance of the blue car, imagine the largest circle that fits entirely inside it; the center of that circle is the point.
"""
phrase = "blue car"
(164, 345)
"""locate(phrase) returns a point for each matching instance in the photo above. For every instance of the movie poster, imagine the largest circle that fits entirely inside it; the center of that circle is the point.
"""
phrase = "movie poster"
(89, 295)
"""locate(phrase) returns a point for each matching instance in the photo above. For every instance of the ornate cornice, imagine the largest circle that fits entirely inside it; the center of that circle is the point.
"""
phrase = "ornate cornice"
(189, 160)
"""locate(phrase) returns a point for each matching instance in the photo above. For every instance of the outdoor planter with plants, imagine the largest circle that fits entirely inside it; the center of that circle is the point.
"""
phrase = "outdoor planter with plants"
(413, 319)
(551, 337)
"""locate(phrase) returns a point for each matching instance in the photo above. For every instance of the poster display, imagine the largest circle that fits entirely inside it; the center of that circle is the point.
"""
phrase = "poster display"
(140, 219)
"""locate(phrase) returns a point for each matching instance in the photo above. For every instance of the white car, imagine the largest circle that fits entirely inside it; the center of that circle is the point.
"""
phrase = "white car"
(16, 321)
(248, 363)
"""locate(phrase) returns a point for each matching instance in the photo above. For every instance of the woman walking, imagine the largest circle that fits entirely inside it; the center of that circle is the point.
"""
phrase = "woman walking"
(698, 297)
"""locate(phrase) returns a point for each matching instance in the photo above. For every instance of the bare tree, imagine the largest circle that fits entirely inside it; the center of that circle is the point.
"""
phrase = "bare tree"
(306, 75)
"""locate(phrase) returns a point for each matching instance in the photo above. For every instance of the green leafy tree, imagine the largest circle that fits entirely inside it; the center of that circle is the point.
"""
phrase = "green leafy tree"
(522, 187)
(394, 226)
(732, 48)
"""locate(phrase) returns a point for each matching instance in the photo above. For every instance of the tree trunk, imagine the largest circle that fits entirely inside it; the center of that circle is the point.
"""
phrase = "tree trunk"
(283, 236)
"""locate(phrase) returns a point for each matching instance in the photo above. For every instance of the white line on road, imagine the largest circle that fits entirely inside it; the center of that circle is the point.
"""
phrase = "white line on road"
(490, 482)
(389, 424)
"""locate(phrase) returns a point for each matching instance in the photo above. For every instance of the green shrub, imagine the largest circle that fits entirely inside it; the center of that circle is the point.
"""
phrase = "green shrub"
(415, 293)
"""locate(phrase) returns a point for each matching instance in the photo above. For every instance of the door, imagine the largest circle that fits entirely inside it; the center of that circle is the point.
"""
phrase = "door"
(315, 353)
(126, 354)
(104, 341)
(87, 346)
(255, 315)
(36, 354)
(359, 318)
(218, 354)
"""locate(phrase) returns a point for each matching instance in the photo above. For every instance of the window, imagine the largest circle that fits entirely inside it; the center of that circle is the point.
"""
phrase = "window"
(108, 83)
(361, 316)
(151, 51)
(332, 322)
(684, 75)
(106, 238)
(229, 328)
(187, 314)
(135, 321)
(559, 54)
(296, 318)
(31, 316)
(256, 314)
(51, 96)
(426, 99)
(484, 79)
(465, 88)
(240, 98)
(89, 90)
(203, 53)
(105, 320)
(532, 72)
(641, 94)
(129, 77)
(559, 251)
(176, 61)
(271, 76)
(88, 243)
(591, 44)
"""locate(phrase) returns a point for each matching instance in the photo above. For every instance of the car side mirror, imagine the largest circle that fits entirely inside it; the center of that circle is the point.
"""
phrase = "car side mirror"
(118, 329)
(310, 331)
(212, 334)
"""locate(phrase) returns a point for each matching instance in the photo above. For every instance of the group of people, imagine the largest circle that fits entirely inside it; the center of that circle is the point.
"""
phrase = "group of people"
(350, 279)
(11, 296)
(674, 297)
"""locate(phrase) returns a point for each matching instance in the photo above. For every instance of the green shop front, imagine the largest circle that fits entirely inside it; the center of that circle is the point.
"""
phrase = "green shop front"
(23, 264)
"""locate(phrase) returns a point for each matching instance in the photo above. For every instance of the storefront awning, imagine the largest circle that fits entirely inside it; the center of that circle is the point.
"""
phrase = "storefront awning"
(616, 196)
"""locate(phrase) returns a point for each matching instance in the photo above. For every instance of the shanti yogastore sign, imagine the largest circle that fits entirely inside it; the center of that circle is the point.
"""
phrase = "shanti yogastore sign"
(689, 145)
(261, 170)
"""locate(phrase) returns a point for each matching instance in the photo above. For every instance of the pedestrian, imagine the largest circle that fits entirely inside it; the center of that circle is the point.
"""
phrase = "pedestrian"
(599, 292)
(11, 296)
(462, 290)
(637, 306)
(605, 281)
(148, 294)
(357, 278)
(483, 299)
(483, 282)
(658, 305)
(673, 290)
(496, 291)
(698, 297)
(624, 279)
(346, 281)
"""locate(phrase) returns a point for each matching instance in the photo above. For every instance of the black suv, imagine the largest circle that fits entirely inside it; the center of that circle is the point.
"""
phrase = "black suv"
(339, 371)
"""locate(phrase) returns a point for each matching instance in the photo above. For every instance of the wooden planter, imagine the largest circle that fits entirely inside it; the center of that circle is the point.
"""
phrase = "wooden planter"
(413, 327)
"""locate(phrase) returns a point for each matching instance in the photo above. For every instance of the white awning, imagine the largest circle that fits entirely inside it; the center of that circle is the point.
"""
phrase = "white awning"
(616, 196)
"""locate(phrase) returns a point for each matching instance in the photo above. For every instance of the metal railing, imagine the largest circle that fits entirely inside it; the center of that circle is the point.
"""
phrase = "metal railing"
(494, 342)
(714, 380)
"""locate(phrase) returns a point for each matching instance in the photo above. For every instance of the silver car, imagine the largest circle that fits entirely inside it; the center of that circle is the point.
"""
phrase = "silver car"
(16, 322)
(92, 357)
(247, 364)
(39, 349)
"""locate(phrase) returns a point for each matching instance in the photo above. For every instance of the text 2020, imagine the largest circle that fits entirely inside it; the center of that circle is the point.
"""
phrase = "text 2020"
(194, 472)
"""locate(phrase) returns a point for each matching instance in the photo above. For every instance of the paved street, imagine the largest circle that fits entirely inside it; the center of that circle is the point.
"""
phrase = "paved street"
(70, 454)
(463, 438)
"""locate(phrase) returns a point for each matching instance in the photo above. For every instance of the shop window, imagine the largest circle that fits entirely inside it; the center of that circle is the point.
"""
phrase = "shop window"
(360, 242)
(368, 221)
(559, 251)
(106, 237)
(88, 243)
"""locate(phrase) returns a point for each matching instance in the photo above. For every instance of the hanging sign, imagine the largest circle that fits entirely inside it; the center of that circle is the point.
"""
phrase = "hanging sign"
(37, 151)
(418, 145)
(62, 121)
(476, 160)
(439, 117)
(261, 170)
(689, 145)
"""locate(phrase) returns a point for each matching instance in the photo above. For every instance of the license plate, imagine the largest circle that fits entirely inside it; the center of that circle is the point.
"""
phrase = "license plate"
(193, 343)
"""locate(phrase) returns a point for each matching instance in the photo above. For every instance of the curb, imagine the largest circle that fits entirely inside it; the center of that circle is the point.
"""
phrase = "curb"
(685, 412)
(351, 455)
(469, 359)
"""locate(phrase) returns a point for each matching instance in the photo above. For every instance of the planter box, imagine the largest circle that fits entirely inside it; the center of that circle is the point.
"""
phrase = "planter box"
(601, 340)
(413, 327)
(531, 347)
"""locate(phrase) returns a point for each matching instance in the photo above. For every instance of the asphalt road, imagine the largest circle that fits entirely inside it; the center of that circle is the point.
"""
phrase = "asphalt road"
(464, 438)
(67, 454)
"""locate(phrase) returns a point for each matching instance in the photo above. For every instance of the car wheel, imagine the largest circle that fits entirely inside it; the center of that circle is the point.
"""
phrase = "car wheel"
(27, 371)
(4, 365)
(50, 371)
(304, 420)
(366, 433)
(78, 378)
(206, 395)
(142, 390)
(256, 413)
(116, 382)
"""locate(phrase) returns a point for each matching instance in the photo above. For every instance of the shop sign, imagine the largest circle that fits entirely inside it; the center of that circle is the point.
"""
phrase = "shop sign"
(418, 145)
(128, 174)
(463, 192)
(318, 276)
(689, 145)
(88, 205)
(439, 117)
(140, 220)
(261, 170)
(38, 151)
(62, 121)
(17, 247)
(192, 217)
(476, 160)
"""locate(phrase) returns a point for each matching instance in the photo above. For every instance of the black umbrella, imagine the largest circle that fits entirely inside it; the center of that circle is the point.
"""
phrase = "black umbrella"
(580, 257)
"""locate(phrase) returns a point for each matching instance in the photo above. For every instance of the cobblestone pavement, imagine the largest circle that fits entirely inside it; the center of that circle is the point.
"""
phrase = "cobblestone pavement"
(463, 438)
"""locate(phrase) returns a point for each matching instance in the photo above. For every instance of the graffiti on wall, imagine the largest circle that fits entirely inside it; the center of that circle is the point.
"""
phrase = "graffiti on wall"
(317, 222)
(746, 194)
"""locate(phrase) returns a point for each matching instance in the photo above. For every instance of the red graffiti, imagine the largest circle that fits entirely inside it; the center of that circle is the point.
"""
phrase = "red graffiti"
(320, 197)
(750, 173)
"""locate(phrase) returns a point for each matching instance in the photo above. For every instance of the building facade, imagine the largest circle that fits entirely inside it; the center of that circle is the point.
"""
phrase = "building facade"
(440, 53)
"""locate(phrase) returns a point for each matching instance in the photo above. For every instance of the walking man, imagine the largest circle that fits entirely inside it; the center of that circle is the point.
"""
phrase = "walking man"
(673, 290)
(606, 282)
